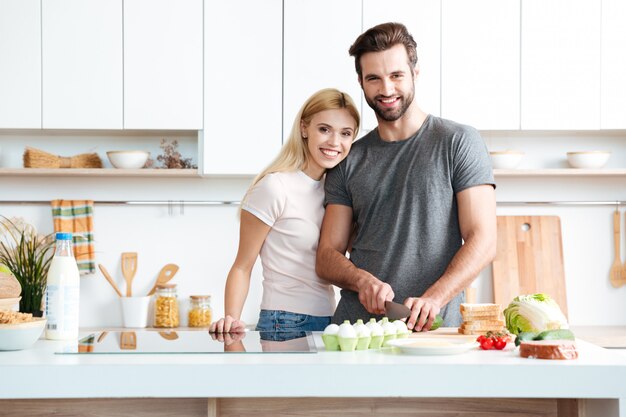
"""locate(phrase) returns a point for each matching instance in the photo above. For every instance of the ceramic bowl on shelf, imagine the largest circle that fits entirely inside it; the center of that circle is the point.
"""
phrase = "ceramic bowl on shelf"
(506, 159)
(20, 336)
(588, 159)
(128, 159)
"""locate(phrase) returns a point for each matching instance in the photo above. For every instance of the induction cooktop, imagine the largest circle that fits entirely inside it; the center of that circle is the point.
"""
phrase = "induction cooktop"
(190, 341)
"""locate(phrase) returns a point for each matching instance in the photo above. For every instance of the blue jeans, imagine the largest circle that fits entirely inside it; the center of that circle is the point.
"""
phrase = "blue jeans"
(286, 321)
(280, 326)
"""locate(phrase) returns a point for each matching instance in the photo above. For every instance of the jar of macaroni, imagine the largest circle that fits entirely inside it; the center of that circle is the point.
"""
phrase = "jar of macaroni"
(199, 310)
(166, 306)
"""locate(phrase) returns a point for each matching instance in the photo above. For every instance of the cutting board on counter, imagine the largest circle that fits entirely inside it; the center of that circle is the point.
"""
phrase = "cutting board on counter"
(529, 259)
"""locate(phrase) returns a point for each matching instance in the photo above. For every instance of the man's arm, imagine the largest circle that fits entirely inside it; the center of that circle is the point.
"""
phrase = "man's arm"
(333, 266)
(477, 220)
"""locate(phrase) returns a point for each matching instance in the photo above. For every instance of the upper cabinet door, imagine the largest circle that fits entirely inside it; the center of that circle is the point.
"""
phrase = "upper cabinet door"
(423, 20)
(20, 64)
(82, 61)
(561, 64)
(318, 35)
(163, 64)
(480, 77)
(242, 86)
(613, 64)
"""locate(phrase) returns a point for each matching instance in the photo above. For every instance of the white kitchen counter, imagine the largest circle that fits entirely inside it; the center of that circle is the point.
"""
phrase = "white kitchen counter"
(40, 373)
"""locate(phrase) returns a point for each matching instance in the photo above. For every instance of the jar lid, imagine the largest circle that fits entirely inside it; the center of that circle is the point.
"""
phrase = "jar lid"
(166, 286)
(200, 297)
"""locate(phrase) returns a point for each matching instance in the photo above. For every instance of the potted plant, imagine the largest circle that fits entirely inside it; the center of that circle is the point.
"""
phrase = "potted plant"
(27, 255)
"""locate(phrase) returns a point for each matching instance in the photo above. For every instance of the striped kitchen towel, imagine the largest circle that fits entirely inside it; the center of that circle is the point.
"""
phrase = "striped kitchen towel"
(76, 216)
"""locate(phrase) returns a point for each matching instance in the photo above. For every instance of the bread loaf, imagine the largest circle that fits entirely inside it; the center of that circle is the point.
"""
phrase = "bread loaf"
(480, 318)
(9, 286)
(548, 349)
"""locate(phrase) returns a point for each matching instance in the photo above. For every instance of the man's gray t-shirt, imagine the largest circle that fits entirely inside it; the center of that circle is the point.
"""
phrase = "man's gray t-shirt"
(403, 199)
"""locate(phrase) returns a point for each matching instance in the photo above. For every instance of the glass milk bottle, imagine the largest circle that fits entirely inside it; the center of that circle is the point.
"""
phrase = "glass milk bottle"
(62, 295)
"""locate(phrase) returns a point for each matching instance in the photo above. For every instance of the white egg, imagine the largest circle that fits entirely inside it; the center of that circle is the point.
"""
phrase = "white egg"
(375, 328)
(361, 329)
(331, 329)
(389, 328)
(346, 330)
(401, 326)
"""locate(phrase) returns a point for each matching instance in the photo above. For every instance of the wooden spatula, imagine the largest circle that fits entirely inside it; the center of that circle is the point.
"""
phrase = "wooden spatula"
(166, 273)
(615, 274)
(129, 268)
(623, 275)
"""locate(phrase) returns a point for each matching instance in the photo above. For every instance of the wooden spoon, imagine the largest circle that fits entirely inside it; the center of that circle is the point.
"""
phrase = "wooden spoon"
(615, 274)
(128, 341)
(108, 278)
(623, 276)
(166, 273)
(129, 268)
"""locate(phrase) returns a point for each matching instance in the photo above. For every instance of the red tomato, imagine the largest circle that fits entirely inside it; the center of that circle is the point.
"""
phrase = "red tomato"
(499, 343)
(480, 338)
(487, 343)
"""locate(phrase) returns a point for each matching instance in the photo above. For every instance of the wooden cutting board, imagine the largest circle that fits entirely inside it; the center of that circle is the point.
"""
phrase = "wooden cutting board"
(529, 259)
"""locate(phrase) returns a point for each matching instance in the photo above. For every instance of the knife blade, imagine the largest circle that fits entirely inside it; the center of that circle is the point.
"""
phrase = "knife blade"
(396, 311)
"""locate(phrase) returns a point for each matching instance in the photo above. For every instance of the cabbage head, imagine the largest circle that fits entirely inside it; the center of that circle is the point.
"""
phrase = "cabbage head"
(534, 313)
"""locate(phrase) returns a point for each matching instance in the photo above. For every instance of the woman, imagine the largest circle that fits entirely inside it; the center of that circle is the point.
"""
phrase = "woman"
(281, 216)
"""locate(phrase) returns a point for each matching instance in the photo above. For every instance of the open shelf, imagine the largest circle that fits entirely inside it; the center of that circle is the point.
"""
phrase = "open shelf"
(559, 172)
(99, 172)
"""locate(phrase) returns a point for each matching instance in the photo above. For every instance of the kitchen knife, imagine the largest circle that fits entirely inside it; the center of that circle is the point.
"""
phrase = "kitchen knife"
(396, 311)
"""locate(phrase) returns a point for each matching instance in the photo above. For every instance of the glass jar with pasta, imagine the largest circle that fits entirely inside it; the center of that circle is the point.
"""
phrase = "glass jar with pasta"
(166, 306)
(199, 311)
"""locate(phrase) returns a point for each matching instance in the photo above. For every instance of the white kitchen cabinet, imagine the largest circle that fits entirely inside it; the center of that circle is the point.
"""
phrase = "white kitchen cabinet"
(163, 64)
(480, 63)
(613, 64)
(318, 35)
(423, 20)
(20, 64)
(82, 64)
(242, 86)
(560, 64)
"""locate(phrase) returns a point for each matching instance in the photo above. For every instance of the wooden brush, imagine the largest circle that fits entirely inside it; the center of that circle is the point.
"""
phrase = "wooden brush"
(35, 158)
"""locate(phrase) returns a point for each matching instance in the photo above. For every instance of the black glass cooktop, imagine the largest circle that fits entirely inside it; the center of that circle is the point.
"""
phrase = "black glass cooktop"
(191, 341)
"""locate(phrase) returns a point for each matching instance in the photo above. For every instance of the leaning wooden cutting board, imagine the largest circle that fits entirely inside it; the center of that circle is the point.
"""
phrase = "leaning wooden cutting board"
(529, 259)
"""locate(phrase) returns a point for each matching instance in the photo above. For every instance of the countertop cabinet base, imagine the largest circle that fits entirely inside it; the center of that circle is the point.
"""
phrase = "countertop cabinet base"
(283, 407)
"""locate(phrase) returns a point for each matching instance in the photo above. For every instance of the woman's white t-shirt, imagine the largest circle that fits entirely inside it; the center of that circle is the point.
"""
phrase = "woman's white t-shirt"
(291, 203)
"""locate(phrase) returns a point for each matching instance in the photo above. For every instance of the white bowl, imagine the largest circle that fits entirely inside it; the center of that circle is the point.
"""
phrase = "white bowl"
(9, 303)
(589, 159)
(21, 335)
(128, 159)
(506, 159)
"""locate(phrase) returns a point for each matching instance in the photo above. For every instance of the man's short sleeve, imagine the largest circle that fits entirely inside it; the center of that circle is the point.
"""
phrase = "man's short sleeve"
(266, 200)
(335, 187)
(471, 163)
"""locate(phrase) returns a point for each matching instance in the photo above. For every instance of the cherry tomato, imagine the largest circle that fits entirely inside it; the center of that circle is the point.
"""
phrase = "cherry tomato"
(500, 343)
(480, 338)
(487, 343)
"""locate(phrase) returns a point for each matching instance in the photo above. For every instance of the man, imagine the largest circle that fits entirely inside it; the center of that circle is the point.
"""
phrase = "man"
(415, 188)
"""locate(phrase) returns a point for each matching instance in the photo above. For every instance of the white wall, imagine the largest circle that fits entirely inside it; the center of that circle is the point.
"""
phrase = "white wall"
(203, 240)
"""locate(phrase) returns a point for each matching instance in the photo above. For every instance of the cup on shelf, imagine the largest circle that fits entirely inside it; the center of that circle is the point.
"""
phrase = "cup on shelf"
(135, 311)
(506, 159)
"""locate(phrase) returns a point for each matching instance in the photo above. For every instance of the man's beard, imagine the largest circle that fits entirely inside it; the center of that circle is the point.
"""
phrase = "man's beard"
(391, 115)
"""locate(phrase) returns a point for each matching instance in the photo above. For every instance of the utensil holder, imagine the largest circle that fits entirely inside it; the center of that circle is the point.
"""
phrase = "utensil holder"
(135, 311)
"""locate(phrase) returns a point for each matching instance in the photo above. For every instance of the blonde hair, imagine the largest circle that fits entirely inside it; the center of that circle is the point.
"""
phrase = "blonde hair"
(294, 154)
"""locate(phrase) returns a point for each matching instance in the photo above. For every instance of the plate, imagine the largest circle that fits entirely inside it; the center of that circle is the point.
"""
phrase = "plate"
(434, 345)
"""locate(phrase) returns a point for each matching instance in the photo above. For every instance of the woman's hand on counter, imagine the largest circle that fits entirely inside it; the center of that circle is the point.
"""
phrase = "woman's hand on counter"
(228, 325)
